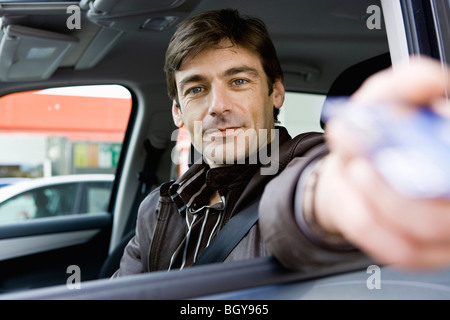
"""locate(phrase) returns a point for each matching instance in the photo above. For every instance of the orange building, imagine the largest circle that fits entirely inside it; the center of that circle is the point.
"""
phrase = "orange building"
(63, 132)
(75, 117)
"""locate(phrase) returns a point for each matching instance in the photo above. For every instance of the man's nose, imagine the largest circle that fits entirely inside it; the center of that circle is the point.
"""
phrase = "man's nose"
(220, 101)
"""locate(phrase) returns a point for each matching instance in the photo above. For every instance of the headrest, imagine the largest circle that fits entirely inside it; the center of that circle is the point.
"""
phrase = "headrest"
(353, 77)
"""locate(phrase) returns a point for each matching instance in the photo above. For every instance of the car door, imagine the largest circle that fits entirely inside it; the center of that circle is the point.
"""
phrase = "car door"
(61, 135)
(423, 29)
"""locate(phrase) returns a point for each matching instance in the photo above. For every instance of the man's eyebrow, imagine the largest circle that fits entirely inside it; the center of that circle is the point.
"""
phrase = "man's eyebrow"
(245, 69)
(226, 73)
(191, 78)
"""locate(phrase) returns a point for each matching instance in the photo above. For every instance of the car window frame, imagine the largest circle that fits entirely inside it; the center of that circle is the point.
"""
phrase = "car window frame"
(195, 282)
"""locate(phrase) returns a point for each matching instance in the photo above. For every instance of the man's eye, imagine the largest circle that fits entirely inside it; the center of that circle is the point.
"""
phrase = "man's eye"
(194, 90)
(239, 82)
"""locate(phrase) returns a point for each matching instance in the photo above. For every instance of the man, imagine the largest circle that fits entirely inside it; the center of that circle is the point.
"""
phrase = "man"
(226, 85)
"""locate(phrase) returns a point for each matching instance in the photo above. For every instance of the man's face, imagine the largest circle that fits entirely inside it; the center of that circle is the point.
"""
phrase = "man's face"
(225, 103)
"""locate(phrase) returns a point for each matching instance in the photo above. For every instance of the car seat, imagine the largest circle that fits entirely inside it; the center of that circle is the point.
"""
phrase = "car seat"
(353, 77)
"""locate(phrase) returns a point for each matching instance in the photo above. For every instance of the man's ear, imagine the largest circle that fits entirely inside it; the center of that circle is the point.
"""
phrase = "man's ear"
(176, 115)
(278, 94)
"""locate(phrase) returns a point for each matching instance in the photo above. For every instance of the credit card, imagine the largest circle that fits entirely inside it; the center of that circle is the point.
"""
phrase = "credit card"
(411, 150)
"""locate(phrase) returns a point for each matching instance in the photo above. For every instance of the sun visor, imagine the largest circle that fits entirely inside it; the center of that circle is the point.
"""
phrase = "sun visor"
(137, 15)
(32, 54)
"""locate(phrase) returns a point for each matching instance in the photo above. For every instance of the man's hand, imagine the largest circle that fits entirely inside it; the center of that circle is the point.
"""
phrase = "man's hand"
(353, 200)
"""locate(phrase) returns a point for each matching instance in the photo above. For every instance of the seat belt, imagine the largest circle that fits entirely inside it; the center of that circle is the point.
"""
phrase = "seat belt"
(230, 235)
(147, 178)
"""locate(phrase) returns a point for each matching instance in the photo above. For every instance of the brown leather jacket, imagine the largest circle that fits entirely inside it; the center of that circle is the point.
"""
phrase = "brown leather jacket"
(160, 228)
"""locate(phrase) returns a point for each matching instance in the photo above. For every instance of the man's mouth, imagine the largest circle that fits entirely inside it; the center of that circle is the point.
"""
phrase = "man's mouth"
(224, 132)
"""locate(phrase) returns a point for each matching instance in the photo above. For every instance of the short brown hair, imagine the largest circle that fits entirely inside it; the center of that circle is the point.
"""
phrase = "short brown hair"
(208, 30)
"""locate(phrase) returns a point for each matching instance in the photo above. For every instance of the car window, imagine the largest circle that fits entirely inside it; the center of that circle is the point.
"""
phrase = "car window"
(60, 132)
(56, 200)
(95, 197)
(21, 207)
(43, 202)
(301, 112)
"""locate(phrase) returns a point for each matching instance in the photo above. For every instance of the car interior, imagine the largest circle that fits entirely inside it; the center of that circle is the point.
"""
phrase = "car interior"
(326, 49)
